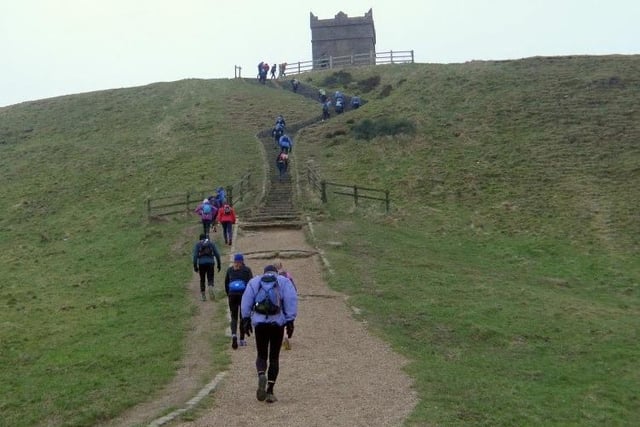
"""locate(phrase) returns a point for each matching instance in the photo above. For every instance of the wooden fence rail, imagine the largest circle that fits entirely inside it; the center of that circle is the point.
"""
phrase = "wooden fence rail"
(357, 192)
(185, 203)
(370, 58)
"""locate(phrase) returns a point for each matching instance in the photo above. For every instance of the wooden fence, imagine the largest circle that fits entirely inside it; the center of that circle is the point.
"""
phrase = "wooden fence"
(355, 191)
(371, 58)
(185, 203)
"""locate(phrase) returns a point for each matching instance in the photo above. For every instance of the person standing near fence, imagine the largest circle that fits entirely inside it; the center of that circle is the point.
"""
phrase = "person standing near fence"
(270, 306)
(205, 254)
(235, 282)
(226, 218)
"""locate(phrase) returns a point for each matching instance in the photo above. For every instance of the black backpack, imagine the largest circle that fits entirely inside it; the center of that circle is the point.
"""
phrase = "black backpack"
(268, 299)
(205, 249)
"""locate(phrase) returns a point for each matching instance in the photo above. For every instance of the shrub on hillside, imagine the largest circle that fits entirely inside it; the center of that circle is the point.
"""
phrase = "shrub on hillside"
(339, 78)
(368, 84)
(368, 129)
(386, 91)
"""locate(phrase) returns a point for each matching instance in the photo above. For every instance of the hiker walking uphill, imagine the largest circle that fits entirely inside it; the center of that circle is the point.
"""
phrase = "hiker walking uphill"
(235, 282)
(285, 143)
(226, 218)
(207, 212)
(205, 255)
(295, 83)
(269, 306)
(282, 272)
(282, 163)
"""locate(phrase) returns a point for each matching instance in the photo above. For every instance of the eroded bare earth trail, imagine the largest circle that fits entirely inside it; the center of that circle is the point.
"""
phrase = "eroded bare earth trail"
(336, 374)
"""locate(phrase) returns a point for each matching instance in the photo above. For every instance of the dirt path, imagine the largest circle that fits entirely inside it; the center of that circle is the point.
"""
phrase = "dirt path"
(336, 373)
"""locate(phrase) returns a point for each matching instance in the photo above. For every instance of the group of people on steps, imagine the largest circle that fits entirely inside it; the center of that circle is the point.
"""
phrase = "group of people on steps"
(339, 102)
(264, 305)
(284, 143)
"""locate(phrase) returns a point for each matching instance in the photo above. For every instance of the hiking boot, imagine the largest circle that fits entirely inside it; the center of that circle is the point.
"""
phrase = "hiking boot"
(203, 297)
(261, 393)
(243, 343)
(271, 398)
(212, 295)
(234, 342)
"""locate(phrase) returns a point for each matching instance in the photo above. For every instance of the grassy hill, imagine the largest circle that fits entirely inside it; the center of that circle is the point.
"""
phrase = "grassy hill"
(507, 270)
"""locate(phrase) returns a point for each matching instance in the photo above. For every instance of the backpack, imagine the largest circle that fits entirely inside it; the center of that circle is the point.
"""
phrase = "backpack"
(288, 276)
(268, 299)
(207, 209)
(205, 249)
(285, 142)
(227, 209)
(237, 286)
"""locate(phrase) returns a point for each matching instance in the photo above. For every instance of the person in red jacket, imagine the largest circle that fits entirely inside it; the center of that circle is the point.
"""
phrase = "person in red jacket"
(226, 218)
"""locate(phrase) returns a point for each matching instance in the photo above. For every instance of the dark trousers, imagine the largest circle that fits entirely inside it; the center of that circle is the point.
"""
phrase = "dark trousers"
(234, 308)
(205, 270)
(206, 226)
(227, 231)
(268, 343)
(282, 170)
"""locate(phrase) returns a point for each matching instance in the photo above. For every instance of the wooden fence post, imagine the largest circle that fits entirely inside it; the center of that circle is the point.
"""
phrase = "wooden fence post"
(186, 208)
(323, 191)
(148, 207)
(412, 56)
(230, 195)
(386, 199)
(355, 195)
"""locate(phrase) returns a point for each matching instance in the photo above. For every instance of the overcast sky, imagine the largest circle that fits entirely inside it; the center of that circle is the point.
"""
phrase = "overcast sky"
(60, 47)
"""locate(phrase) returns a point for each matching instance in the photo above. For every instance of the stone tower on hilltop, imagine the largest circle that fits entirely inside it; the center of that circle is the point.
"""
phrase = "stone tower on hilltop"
(342, 36)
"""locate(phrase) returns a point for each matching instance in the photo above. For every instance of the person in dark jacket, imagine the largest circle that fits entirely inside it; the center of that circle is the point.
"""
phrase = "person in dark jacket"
(269, 328)
(204, 253)
(235, 282)
(282, 163)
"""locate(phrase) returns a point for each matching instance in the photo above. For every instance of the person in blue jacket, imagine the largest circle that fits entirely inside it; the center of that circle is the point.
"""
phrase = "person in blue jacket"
(270, 325)
(285, 143)
(204, 252)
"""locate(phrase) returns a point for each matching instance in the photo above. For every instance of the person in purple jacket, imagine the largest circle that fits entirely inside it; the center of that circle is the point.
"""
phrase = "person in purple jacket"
(269, 306)
(207, 213)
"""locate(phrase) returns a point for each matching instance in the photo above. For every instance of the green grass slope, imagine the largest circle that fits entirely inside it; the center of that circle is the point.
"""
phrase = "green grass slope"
(93, 299)
(508, 270)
